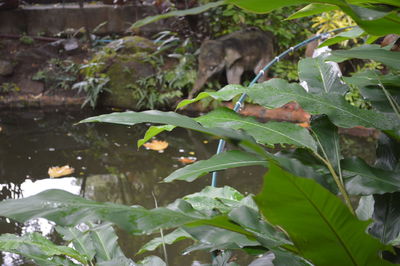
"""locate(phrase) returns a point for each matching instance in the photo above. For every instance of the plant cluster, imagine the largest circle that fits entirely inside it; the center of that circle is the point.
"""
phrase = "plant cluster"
(316, 206)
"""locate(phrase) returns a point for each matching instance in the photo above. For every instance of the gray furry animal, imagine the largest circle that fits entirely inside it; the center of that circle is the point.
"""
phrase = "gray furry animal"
(249, 49)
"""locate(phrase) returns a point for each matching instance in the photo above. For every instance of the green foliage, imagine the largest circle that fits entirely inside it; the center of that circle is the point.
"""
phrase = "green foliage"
(58, 74)
(7, 87)
(299, 216)
(26, 40)
(93, 87)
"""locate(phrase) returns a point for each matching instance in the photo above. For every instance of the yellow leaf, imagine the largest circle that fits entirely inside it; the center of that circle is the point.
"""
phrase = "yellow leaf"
(156, 145)
(57, 171)
(187, 160)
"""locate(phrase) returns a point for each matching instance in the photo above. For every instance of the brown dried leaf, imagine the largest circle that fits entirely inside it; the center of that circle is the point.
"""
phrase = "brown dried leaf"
(57, 171)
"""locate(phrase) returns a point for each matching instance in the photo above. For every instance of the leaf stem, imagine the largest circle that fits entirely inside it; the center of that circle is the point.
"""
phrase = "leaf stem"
(340, 185)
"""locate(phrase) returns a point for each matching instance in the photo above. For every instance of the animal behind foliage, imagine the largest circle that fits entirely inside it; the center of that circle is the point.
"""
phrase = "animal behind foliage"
(249, 49)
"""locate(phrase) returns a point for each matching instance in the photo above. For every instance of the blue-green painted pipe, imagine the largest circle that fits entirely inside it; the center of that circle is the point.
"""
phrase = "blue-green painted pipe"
(240, 102)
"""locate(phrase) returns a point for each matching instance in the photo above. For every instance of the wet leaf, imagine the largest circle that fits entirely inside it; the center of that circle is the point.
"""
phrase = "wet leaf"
(156, 145)
(174, 236)
(319, 224)
(57, 171)
(187, 160)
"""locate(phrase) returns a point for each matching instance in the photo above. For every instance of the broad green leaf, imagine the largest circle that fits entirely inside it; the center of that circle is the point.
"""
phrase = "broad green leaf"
(167, 118)
(351, 34)
(151, 261)
(318, 223)
(312, 9)
(66, 209)
(362, 179)
(105, 241)
(370, 52)
(251, 221)
(327, 135)
(152, 132)
(214, 238)
(386, 217)
(387, 153)
(37, 247)
(276, 92)
(174, 236)
(81, 241)
(176, 13)
(215, 198)
(321, 77)
(269, 133)
(217, 162)
(365, 208)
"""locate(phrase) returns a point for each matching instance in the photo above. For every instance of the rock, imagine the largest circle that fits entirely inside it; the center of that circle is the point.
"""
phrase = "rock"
(124, 62)
(6, 68)
(131, 45)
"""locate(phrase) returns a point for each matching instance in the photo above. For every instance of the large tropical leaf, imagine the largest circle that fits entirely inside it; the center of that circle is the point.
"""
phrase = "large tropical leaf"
(40, 249)
(230, 159)
(166, 118)
(152, 132)
(318, 223)
(277, 92)
(81, 240)
(362, 179)
(265, 133)
(66, 209)
(321, 77)
(174, 236)
(386, 217)
(370, 52)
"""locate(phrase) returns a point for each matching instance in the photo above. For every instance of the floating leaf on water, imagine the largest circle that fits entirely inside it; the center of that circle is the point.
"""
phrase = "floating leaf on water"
(156, 145)
(187, 160)
(192, 153)
(57, 171)
(205, 141)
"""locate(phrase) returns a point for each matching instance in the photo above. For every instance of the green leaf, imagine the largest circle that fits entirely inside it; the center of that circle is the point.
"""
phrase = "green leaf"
(217, 162)
(321, 77)
(370, 52)
(251, 221)
(276, 92)
(386, 217)
(215, 198)
(151, 261)
(265, 133)
(66, 209)
(327, 136)
(37, 247)
(371, 84)
(81, 241)
(120, 261)
(319, 224)
(105, 241)
(312, 9)
(362, 179)
(152, 132)
(365, 208)
(214, 238)
(176, 13)
(170, 118)
(175, 236)
(351, 34)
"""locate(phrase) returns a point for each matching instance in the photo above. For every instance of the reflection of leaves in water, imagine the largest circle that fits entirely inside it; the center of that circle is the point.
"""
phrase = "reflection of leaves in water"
(57, 171)
(156, 145)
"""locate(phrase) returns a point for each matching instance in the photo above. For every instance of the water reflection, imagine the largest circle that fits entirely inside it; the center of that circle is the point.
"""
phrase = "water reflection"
(108, 167)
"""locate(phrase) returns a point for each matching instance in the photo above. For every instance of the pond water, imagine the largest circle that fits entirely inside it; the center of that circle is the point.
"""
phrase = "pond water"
(108, 167)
